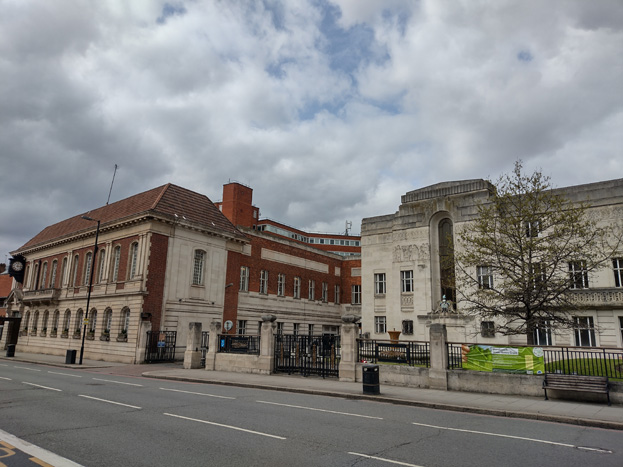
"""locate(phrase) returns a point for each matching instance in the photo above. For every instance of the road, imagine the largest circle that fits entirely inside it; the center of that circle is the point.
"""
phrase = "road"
(116, 420)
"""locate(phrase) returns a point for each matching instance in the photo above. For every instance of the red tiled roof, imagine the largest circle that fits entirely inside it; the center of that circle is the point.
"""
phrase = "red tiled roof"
(169, 200)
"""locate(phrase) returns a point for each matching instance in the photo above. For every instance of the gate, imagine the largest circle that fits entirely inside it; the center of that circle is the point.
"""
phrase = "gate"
(205, 341)
(307, 355)
(160, 346)
(10, 327)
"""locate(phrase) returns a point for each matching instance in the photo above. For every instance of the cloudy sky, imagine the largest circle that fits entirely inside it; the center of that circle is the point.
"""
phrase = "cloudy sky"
(329, 110)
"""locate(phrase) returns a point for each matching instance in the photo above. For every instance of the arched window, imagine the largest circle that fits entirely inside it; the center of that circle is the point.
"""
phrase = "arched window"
(133, 260)
(125, 320)
(75, 272)
(93, 320)
(35, 277)
(198, 266)
(55, 321)
(87, 268)
(78, 323)
(116, 257)
(44, 275)
(100, 269)
(63, 271)
(35, 322)
(44, 325)
(107, 320)
(26, 321)
(66, 321)
(53, 276)
(446, 260)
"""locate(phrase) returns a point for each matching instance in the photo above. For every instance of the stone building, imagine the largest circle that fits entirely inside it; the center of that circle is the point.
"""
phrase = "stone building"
(403, 268)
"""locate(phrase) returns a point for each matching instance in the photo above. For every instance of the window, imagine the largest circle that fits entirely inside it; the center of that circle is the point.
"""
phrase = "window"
(312, 289)
(55, 321)
(537, 275)
(244, 278)
(487, 329)
(379, 324)
(279, 328)
(296, 329)
(336, 293)
(485, 277)
(578, 275)
(584, 331)
(63, 270)
(542, 334)
(325, 292)
(406, 279)
(263, 282)
(133, 259)
(125, 321)
(53, 275)
(66, 321)
(379, 284)
(44, 275)
(617, 265)
(199, 262)
(87, 268)
(533, 228)
(242, 326)
(310, 329)
(355, 295)
(46, 316)
(35, 278)
(116, 257)
(75, 272)
(297, 287)
(100, 268)
(35, 323)
(107, 321)
(281, 285)
(93, 320)
(621, 327)
(78, 323)
(407, 327)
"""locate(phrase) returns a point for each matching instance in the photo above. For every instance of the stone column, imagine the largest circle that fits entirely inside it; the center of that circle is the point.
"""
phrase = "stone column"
(192, 356)
(215, 330)
(438, 371)
(348, 348)
(267, 344)
(143, 328)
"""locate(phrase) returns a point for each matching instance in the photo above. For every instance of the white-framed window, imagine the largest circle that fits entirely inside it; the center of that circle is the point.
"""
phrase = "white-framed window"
(312, 289)
(296, 329)
(584, 331)
(537, 275)
(542, 334)
(487, 329)
(101, 266)
(198, 266)
(74, 277)
(533, 228)
(355, 295)
(242, 326)
(53, 274)
(406, 280)
(617, 266)
(336, 294)
(44, 275)
(35, 277)
(88, 259)
(485, 277)
(63, 271)
(380, 284)
(380, 324)
(297, 288)
(133, 260)
(264, 282)
(407, 327)
(116, 258)
(578, 275)
(244, 278)
(281, 285)
(325, 292)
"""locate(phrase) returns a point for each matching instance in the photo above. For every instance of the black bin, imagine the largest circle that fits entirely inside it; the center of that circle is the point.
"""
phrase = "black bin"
(10, 350)
(70, 357)
(371, 383)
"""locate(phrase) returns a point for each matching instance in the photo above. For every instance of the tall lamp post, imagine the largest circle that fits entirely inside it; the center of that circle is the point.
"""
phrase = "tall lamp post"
(84, 330)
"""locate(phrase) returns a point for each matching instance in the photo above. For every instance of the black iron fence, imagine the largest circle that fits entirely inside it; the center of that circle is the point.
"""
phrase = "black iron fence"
(160, 346)
(307, 355)
(455, 355)
(412, 353)
(242, 344)
(205, 341)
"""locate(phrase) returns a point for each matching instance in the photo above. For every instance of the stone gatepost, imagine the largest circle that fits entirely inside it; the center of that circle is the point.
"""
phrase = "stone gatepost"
(215, 330)
(267, 343)
(192, 356)
(348, 348)
(438, 372)
(143, 328)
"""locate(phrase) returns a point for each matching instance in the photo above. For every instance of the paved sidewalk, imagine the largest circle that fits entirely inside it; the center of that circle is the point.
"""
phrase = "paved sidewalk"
(592, 414)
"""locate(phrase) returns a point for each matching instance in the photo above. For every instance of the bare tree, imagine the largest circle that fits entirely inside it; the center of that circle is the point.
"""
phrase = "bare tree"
(521, 260)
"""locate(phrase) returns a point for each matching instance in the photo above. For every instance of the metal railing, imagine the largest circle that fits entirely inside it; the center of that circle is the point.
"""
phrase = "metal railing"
(412, 353)
(237, 343)
(205, 341)
(307, 355)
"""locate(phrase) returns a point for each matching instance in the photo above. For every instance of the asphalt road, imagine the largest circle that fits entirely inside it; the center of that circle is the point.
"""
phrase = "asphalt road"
(116, 420)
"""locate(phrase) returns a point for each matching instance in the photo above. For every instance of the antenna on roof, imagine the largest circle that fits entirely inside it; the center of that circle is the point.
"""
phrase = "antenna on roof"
(349, 225)
(111, 183)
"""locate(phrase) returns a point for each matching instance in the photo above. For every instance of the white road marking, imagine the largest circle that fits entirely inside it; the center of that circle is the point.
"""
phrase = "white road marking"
(118, 382)
(198, 393)
(43, 387)
(41, 454)
(226, 426)
(554, 443)
(383, 460)
(8, 379)
(320, 410)
(110, 402)
(64, 374)
(3, 364)
(26, 368)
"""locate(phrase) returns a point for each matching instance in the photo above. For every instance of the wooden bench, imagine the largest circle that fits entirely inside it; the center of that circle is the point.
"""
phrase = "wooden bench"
(598, 384)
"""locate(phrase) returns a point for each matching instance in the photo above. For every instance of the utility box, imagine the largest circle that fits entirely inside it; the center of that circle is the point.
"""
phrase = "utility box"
(70, 357)
(10, 350)
(371, 384)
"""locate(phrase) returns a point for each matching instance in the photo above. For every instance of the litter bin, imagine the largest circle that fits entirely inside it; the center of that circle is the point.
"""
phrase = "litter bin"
(371, 383)
(70, 357)
(10, 350)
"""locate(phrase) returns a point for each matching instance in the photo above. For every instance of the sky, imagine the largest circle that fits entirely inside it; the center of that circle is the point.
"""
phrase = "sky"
(329, 110)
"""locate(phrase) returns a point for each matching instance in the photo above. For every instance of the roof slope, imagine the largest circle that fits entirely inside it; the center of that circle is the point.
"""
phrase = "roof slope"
(169, 200)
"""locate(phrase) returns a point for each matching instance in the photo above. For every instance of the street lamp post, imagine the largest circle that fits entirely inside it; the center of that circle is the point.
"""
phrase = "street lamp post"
(84, 330)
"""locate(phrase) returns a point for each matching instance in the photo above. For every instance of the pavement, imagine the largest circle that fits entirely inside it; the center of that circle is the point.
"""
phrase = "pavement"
(591, 414)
